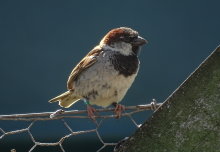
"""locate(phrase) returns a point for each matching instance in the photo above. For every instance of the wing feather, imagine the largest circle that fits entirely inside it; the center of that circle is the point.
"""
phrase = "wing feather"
(85, 63)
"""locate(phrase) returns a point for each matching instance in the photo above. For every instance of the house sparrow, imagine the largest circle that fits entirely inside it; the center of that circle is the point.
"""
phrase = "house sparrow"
(106, 73)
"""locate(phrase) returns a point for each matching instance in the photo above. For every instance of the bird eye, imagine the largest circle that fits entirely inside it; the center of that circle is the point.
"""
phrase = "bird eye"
(132, 38)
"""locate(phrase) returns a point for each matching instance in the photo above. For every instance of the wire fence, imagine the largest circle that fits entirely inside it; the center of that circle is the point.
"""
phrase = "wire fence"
(73, 114)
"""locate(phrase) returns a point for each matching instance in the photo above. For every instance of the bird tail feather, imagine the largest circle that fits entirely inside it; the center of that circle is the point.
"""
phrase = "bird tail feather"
(66, 99)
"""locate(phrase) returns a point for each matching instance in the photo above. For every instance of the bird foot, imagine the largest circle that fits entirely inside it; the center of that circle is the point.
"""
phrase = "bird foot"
(118, 110)
(91, 112)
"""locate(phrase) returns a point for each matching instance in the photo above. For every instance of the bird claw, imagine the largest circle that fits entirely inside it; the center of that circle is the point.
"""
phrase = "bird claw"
(118, 110)
(91, 112)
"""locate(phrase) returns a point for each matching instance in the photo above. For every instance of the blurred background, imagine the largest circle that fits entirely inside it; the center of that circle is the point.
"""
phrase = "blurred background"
(41, 41)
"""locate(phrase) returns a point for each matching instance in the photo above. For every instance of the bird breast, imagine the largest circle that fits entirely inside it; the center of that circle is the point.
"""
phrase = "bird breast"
(108, 80)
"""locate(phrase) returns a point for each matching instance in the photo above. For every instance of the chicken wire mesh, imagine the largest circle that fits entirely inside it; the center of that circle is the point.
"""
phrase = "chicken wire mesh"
(60, 115)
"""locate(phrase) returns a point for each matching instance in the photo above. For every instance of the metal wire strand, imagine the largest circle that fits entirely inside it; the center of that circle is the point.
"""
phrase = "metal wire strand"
(44, 116)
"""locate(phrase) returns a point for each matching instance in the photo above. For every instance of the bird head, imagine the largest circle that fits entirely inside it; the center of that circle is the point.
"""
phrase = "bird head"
(124, 40)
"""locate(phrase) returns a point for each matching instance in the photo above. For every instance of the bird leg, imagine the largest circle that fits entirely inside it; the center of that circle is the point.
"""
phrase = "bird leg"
(91, 111)
(118, 109)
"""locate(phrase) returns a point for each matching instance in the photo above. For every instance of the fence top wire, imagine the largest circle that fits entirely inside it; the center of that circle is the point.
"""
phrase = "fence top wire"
(60, 115)
(77, 113)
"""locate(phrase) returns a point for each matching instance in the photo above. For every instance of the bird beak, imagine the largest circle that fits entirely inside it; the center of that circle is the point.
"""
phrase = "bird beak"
(139, 41)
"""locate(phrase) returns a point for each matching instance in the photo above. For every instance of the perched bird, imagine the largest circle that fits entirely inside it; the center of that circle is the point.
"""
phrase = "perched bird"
(106, 73)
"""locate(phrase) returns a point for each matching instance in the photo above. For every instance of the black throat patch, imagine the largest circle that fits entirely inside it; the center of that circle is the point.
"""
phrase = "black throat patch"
(126, 65)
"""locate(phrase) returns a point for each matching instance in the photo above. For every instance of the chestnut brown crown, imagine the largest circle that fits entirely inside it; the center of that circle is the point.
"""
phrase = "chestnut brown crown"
(123, 34)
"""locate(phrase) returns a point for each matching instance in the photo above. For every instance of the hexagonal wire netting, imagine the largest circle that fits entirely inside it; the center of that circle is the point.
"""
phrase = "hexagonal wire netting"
(61, 115)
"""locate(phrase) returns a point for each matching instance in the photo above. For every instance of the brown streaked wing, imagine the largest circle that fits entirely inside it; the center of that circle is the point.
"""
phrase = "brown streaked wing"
(85, 63)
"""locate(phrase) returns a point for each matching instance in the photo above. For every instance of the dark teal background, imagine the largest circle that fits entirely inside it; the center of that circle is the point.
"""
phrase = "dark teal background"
(41, 41)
